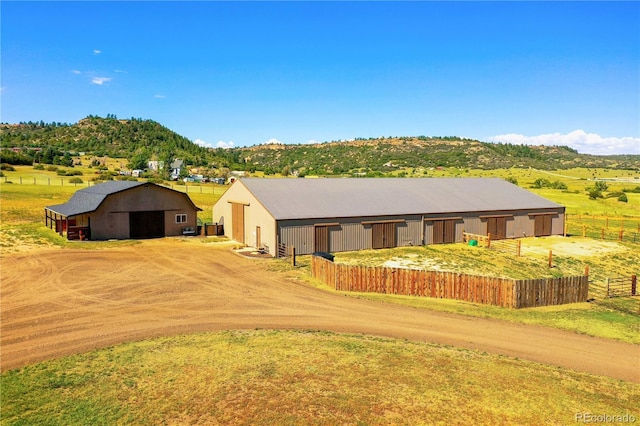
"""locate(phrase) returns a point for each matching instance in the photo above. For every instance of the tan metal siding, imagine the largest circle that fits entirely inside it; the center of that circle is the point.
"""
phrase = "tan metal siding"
(255, 215)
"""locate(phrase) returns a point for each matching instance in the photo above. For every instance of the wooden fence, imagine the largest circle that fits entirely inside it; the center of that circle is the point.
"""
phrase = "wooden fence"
(503, 292)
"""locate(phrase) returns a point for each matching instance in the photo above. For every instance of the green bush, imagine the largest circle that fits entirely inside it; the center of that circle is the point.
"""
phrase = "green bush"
(623, 197)
(594, 194)
(75, 180)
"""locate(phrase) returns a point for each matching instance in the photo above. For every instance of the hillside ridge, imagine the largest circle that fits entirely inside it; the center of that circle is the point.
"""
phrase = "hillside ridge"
(139, 140)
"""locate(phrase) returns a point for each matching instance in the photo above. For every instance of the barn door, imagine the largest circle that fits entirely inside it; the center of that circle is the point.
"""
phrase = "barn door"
(237, 222)
(258, 237)
(383, 235)
(438, 231)
(444, 231)
(321, 241)
(542, 225)
(146, 224)
(497, 227)
(377, 235)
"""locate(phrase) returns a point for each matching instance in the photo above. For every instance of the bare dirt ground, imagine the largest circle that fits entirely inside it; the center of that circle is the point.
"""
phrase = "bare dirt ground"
(56, 302)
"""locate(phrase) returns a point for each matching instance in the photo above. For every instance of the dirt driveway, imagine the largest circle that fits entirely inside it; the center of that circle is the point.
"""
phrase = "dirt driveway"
(57, 302)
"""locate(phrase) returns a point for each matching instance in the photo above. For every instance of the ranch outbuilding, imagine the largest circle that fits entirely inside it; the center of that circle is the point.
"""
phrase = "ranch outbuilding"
(333, 215)
(123, 210)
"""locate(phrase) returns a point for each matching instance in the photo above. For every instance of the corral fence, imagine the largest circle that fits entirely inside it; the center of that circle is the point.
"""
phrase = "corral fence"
(511, 246)
(622, 286)
(503, 292)
(284, 250)
(604, 227)
(187, 187)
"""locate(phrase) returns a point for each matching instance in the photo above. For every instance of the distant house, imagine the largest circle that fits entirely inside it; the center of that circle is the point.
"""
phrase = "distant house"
(176, 169)
(332, 215)
(156, 166)
(123, 210)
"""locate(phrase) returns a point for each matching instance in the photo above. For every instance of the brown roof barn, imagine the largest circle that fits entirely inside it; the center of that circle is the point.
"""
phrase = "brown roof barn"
(123, 210)
(332, 215)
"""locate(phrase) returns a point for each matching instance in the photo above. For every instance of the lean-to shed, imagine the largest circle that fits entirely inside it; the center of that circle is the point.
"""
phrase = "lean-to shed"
(123, 210)
(332, 215)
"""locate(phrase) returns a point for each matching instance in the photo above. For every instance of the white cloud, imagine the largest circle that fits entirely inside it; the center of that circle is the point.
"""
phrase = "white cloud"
(97, 52)
(220, 144)
(160, 97)
(312, 142)
(76, 72)
(272, 141)
(581, 141)
(100, 80)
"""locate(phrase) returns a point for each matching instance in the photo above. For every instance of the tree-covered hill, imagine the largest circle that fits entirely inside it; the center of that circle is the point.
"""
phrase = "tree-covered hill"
(374, 156)
(141, 140)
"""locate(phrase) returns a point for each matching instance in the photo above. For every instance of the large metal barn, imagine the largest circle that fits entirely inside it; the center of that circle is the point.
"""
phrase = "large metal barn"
(332, 215)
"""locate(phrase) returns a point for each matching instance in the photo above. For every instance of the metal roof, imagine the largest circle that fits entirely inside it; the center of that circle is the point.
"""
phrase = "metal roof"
(351, 197)
(89, 199)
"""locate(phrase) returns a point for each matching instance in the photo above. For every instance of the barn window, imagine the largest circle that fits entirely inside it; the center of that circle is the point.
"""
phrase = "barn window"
(181, 218)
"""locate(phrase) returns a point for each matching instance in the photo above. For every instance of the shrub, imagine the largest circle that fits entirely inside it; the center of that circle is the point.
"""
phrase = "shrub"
(623, 197)
(7, 167)
(75, 180)
(38, 167)
(594, 194)
(52, 168)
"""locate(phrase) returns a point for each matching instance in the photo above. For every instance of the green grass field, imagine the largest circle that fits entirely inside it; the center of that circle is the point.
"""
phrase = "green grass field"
(301, 378)
(308, 377)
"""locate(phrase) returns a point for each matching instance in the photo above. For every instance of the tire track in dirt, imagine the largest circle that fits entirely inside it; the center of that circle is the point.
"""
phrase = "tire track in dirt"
(60, 302)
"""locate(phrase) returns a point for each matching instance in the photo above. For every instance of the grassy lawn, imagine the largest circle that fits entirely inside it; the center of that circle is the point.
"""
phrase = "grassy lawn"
(305, 377)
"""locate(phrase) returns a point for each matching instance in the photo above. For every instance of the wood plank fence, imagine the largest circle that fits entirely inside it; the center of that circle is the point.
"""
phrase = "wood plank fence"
(495, 291)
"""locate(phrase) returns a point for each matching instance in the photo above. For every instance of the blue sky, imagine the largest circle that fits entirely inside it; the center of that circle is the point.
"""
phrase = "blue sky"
(243, 73)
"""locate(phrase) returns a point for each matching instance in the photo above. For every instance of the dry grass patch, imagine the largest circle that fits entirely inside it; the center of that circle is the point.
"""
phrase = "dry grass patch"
(275, 377)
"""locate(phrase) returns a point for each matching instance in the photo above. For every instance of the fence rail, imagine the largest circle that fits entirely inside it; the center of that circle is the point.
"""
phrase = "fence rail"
(510, 246)
(188, 187)
(622, 286)
(503, 292)
(604, 227)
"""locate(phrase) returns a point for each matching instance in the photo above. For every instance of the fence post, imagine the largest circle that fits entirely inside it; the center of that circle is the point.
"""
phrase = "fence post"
(489, 240)
(519, 247)
(621, 232)
(633, 285)
(550, 259)
(586, 270)
(602, 234)
(293, 256)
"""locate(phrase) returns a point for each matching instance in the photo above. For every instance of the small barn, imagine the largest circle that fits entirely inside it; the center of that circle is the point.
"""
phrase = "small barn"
(123, 210)
(333, 215)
